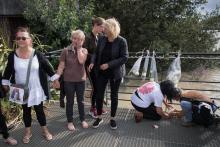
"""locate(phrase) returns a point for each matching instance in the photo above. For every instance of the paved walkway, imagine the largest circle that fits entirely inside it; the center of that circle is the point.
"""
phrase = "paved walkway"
(129, 134)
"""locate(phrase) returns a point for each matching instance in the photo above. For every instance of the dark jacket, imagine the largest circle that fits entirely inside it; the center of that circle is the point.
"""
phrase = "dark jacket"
(45, 68)
(2, 92)
(90, 44)
(119, 56)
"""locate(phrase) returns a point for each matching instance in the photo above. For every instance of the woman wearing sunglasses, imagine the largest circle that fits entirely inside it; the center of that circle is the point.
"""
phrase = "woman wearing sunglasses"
(16, 72)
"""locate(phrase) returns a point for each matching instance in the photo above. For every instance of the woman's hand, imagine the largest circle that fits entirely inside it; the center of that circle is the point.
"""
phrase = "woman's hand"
(169, 107)
(90, 67)
(104, 66)
(56, 84)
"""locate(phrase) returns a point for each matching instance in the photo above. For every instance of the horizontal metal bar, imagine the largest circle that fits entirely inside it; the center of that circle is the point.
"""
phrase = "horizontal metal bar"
(196, 81)
(193, 81)
(201, 89)
(176, 53)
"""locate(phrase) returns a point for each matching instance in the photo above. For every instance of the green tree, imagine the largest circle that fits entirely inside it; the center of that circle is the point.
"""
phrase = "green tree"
(54, 19)
(162, 25)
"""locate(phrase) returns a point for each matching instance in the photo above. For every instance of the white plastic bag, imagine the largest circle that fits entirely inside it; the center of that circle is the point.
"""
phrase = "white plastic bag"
(136, 67)
(174, 71)
(146, 62)
(153, 69)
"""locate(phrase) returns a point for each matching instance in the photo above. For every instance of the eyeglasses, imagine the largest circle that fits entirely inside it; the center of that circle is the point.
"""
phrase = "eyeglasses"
(21, 38)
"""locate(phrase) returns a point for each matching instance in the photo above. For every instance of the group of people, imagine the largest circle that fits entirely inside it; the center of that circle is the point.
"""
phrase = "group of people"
(100, 56)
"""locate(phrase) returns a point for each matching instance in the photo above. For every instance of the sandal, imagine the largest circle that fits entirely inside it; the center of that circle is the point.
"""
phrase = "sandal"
(48, 136)
(11, 141)
(26, 139)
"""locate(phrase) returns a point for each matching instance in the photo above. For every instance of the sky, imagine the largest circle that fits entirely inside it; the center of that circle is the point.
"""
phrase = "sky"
(211, 5)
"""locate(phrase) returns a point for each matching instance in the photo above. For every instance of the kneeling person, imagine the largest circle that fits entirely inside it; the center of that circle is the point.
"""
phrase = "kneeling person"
(148, 99)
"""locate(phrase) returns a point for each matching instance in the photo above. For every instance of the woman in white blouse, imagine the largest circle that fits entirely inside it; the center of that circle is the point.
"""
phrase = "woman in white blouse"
(15, 73)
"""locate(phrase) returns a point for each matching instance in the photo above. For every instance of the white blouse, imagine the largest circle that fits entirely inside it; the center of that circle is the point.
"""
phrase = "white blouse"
(36, 93)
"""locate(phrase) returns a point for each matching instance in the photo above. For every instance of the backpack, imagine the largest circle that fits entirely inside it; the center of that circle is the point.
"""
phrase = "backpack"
(203, 113)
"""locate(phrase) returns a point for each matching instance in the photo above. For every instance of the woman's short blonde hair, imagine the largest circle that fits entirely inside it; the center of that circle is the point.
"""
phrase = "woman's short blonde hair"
(78, 33)
(113, 27)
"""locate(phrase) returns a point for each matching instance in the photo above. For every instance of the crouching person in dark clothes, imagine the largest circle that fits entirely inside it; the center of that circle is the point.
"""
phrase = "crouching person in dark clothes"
(197, 108)
(148, 99)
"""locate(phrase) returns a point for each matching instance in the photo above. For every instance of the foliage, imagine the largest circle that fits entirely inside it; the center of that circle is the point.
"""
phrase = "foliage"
(4, 51)
(162, 25)
(56, 19)
(4, 44)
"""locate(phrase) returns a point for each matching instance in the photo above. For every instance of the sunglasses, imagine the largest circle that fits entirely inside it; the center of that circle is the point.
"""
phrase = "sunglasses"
(21, 38)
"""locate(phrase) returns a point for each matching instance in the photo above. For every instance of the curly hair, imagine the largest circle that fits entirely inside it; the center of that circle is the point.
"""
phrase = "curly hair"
(113, 26)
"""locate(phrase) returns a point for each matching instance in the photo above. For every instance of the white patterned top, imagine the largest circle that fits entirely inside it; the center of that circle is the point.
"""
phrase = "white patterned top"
(36, 93)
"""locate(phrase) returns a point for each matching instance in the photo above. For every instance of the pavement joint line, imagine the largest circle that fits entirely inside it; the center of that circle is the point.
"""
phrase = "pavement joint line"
(127, 114)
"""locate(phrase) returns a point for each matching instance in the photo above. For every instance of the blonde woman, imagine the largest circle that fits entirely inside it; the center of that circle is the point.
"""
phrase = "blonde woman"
(108, 62)
(72, 59)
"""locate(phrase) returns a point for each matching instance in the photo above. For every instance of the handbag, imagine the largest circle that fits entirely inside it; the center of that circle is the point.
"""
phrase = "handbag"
(19, 93)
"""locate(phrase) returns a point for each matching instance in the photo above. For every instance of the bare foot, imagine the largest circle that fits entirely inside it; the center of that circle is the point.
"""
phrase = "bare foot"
(71, 127)
(138, 116)
(85, 124)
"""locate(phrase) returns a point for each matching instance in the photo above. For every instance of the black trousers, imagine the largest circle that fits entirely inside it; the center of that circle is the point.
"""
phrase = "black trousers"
(39, 112)
(92, 79)
(62, 91)
(71, 88)
(149, 112)
(101, 86)
(3, 126)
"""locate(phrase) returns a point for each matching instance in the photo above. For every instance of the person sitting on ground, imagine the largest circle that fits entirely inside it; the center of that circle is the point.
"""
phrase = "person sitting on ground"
(191, 102)
(148, 99)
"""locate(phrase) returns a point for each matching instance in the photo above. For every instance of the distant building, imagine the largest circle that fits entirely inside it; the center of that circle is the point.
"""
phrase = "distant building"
(10, 18)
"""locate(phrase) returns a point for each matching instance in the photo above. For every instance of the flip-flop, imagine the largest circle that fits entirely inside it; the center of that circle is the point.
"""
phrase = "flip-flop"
(26, 139)
(11, 141)
(48, 136)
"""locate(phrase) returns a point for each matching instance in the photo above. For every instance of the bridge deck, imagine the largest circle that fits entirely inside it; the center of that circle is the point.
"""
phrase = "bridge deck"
(129, 134)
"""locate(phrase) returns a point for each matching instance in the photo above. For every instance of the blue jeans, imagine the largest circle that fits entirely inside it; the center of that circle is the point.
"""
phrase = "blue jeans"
(187, 110)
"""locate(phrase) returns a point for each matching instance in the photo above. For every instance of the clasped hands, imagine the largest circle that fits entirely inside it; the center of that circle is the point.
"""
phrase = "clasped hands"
(55, 84)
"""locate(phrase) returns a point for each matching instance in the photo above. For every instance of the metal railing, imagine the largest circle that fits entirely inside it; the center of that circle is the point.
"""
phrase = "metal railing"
(159, 56)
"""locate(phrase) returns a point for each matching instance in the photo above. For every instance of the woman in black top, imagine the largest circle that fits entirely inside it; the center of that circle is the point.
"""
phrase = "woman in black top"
(109, 65)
